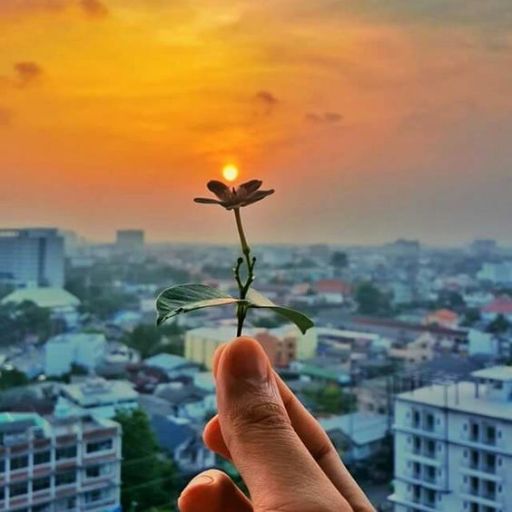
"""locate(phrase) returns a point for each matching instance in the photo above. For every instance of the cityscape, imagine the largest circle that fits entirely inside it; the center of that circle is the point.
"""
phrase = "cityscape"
(408, 368)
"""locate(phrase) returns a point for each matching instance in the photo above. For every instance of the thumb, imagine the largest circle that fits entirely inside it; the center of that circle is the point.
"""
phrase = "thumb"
(279, 471)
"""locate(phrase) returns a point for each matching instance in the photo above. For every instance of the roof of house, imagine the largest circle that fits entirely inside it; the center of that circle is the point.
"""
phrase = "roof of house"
(503, 373)
(98, 391)
(168, 362)
(43, 297)
(361, 427)
(171, 432)
(500, 305)
(332, 286)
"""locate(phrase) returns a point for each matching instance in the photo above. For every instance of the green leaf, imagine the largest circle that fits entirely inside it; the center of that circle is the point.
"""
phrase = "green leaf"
(257, 300)
(189, 297)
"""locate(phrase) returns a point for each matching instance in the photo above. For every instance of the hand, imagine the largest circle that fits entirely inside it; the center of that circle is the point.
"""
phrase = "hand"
(285, 458)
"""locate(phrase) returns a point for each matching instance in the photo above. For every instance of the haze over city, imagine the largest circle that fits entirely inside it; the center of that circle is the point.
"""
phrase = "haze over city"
(373, 120)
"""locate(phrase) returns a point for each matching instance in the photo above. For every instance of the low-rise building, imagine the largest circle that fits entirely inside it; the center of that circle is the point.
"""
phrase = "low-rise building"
(358, 436)
(283, 344)
(83, 349)
(59, 464)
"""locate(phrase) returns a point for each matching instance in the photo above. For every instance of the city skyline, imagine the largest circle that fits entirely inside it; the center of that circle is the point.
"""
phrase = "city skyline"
(372, 121)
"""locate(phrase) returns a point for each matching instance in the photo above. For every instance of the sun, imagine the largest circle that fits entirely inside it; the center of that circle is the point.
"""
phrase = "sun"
(230, 172)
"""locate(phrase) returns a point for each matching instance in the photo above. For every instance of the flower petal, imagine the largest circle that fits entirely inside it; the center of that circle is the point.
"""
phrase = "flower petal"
(207, 200)
(250, 187)
(257, 196)
(221, 190)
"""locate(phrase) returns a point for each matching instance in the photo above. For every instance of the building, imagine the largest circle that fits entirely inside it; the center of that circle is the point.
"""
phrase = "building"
(452, 445)
(130, 240)
(358, 436)
(83, 349)
(499, 306)
(282, 344)
(99, 397)
(62, 304)
(59, 464)
(496, 273)
(32, 257)
(172, 365)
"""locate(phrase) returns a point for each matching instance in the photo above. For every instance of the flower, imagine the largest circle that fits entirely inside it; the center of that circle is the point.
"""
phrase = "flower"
(234, 198)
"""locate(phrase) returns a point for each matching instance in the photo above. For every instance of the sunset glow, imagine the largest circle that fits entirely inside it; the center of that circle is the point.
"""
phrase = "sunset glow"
(230, 172)
(372, 120)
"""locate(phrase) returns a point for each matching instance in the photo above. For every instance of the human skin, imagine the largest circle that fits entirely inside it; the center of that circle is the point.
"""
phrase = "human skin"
(283, 455)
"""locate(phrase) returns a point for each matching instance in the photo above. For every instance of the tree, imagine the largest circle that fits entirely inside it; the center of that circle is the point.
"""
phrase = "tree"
(17, 321)
(331, 399)
(499, 325)
(339, 259)
(148, 478)
(144, 338)
(471, 317)
(371, 301)
(12, 378)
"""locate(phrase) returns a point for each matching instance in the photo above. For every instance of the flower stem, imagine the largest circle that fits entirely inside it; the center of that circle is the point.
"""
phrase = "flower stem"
(243, 287)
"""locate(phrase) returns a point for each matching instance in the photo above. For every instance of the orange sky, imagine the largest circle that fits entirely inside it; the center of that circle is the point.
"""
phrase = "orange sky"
(372, 119)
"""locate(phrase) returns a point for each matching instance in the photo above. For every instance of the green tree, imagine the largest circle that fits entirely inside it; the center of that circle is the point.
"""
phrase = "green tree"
(499, 325)
(12, 378)
(331, 399)
(148, 478)
(471, 317)
(371, 300)
(339, 259)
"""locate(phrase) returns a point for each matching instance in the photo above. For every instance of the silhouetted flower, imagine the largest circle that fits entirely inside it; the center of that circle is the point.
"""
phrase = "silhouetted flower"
(233, 198)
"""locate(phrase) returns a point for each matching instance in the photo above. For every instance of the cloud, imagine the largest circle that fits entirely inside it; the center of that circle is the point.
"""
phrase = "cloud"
(94, 8)
(27, 72)
(266, 101)
(5, 116)
(324, 117)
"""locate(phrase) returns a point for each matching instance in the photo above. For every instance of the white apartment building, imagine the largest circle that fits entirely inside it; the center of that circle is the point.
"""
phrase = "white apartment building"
(59, 464)
(453, 446)
(64, 350)
(32, 257)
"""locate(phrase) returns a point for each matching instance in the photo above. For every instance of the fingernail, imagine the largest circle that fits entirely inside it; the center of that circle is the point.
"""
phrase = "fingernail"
(247, 360)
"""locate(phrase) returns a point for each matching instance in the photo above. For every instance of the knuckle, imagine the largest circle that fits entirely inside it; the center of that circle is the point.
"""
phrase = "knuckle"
(264, 416)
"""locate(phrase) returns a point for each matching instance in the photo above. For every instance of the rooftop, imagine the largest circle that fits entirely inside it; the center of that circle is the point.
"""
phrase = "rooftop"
(461, 397)
(43, 297)
(503, 373)
(99, 391)
(168, 361)
(361, 427)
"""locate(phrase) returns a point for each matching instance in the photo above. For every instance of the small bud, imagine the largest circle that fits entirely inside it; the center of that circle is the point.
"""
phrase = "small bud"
(240, 260)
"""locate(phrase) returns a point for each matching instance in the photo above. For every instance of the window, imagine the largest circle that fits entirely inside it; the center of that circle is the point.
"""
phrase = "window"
(429, 421)
(490, 462)
(93, 496)
(490, 489)
(474, 459)
(19, 462)
(100, 446)
(417, 444)
(18, 489)
(475, 432)
(39, 484)
(65, 478)
(2, 466)
(473, 485)
(416, 418)
(69, 452)
(430, 448)
(417, 470)
(42, 457)
(490, 434)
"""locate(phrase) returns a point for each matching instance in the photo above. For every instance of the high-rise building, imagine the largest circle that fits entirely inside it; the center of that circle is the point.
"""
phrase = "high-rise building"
(130, 240)
(32, 257)
(59, 464)
(453, 445)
